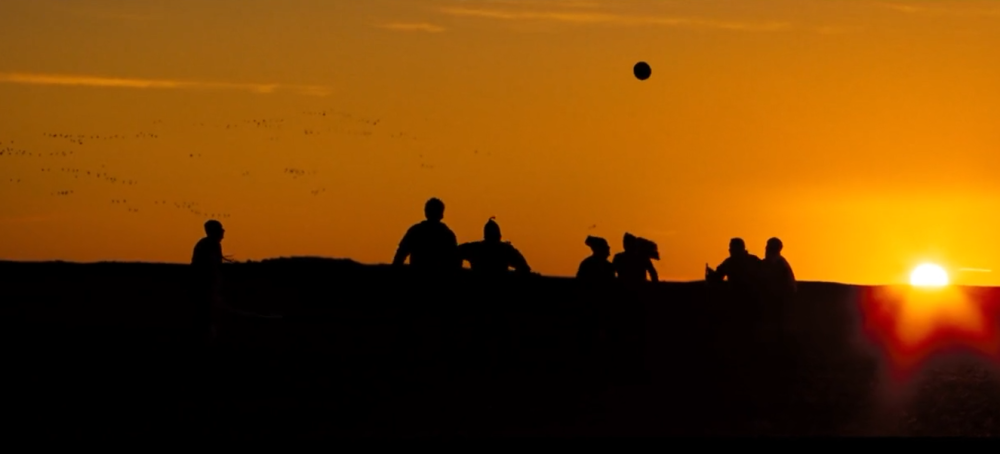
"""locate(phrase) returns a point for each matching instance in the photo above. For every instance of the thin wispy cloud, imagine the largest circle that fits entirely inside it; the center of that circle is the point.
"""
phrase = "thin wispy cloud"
(940, 9)
(833, 30)
(585, 17)
(903, 8)
(976, 270)
(412, 27)
(109, 15)
(30, 219)
(548, 3)
(119, 14)
(116, 82)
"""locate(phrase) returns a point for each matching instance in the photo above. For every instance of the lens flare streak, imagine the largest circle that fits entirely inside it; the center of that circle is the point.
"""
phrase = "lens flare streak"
(911, 325)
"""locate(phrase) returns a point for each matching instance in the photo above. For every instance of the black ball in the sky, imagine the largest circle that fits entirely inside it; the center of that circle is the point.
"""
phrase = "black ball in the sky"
(642, 70)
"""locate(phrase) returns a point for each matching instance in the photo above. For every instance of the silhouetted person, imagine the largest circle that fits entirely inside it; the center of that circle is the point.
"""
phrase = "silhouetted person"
(778, 283)
(597, 268)
(430, 245)
(597, 275)
(741, 267)
(775, 270)
(491, 255)
(206, 262)
(635, 261)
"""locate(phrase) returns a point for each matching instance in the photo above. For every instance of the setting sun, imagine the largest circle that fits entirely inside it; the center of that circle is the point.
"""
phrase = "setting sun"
(929, 275)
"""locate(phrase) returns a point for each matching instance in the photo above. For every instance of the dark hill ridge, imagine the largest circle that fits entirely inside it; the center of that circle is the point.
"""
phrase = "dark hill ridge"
(367, 349)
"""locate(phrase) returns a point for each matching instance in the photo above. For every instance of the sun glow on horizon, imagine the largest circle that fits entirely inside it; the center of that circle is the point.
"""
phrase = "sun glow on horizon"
(929, 275)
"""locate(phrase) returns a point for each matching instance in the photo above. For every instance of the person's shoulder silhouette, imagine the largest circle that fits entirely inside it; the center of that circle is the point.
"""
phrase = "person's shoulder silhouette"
(429, 244)
(514, 258)
(208, 251)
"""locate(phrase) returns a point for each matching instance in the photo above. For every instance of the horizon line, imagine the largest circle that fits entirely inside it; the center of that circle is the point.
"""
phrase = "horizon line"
(384, 264)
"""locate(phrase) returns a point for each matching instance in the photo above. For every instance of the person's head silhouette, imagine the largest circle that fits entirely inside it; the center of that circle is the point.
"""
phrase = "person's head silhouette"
(491, 231)
(737, 247)
(214, 230)
(434, 210)
(599, 246)
(773, 248)
(628, 242)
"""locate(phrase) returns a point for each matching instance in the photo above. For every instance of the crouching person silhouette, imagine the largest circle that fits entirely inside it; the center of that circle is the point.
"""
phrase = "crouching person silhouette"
(491, 256)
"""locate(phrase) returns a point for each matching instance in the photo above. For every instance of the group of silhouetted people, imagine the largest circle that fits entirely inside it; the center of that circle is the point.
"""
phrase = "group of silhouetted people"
(432, 247)
(773, 274)
(633, 264)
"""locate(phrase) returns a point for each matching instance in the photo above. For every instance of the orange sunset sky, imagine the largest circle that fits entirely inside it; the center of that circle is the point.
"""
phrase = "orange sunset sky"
(865, 134)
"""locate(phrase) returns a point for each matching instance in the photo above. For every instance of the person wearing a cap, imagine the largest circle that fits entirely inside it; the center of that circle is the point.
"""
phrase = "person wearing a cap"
(597, 268)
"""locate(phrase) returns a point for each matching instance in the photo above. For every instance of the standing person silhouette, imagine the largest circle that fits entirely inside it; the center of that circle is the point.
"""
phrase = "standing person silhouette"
(430, 245)
(634, 263)
(206, 262)
(491, 256)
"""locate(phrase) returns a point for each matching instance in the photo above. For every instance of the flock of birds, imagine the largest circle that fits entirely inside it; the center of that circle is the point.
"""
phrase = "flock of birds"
(86, 145)
(334, 122)
(79, 138)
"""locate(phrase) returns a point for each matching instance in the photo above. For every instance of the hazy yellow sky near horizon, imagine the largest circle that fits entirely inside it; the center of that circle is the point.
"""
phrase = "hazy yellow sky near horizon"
(863, 133)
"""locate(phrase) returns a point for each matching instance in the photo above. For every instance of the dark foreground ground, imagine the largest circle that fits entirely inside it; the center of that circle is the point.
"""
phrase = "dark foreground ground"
(99, 351)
